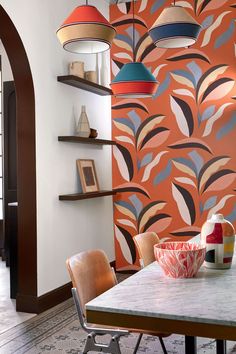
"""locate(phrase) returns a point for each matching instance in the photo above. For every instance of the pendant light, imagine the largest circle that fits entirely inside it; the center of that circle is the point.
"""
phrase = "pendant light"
(86, 31)
(174, 28)
(134, 80)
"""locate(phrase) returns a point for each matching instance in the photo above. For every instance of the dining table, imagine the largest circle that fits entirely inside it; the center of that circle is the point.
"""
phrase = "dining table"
(201, 306)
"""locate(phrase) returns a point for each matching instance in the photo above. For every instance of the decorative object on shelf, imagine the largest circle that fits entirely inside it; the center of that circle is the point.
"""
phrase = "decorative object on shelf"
(76, 68)
(218, 235)
(104, 72)
(86, 30)
(134, 80)
(88, 176)
(91, 76)
(93, 133)
(180, 259)
(82, 127)
(174, 28)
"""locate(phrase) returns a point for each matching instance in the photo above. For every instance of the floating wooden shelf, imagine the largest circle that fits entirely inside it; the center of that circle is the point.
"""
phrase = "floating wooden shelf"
(77, 139)
(85, 85)
(80, 196)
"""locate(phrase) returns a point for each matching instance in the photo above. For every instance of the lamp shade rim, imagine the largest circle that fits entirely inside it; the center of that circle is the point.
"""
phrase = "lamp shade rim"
(98, 40)
(174, 24)
(194, 39)
(64, 25)
(134, 80)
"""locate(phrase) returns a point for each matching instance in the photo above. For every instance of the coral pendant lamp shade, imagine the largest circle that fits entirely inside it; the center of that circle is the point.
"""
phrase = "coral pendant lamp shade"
(134, 80)
(86, 31)
(174, 28)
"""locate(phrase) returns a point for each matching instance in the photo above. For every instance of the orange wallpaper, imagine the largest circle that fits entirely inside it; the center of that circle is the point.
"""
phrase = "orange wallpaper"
(175, 161)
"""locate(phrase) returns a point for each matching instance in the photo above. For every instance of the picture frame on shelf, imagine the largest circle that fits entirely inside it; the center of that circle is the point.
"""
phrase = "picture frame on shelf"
(88, 175)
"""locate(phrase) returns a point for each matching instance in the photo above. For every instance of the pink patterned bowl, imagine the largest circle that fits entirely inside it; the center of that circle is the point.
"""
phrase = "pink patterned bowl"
(180, 259)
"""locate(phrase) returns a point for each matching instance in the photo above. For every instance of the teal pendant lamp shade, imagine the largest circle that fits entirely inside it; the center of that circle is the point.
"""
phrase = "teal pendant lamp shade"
(174, 28)
(134, 80)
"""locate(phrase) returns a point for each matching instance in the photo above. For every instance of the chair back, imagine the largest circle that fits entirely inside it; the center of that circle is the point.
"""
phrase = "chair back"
(145, 244)
(91, 274)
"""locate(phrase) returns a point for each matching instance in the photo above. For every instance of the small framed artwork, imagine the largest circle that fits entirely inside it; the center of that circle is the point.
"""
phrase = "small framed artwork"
(88, 176)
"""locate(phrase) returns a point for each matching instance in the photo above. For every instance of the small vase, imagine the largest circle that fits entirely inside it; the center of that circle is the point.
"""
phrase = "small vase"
(83, 128)
(218, 235)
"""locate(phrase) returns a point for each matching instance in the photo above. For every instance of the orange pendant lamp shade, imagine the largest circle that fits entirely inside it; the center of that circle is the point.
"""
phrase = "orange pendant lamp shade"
(86, 31)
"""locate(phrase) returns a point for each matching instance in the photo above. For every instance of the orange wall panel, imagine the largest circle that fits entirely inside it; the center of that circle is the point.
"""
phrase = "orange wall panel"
(175, 161)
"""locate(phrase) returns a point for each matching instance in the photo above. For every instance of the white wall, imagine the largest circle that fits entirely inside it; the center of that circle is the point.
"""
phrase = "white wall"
(6, 68)
(63, 228)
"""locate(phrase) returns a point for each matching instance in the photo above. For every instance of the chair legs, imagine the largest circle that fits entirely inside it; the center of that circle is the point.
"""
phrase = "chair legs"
(137, 343)
(163, 345)
(112, 347)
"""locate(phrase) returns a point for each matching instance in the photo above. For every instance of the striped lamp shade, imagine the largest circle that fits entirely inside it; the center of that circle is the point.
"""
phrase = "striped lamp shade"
(134, 80)
(86, 31)
(174, 28)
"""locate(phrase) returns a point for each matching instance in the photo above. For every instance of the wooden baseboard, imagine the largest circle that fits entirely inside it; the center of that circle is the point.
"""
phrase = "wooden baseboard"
(34, 304)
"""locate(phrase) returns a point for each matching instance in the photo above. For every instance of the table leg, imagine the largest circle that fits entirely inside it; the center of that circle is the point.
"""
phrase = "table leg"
(191, 345)
(220, 346)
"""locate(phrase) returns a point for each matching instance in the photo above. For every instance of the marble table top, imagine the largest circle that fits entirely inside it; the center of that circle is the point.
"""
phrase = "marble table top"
(209, 297)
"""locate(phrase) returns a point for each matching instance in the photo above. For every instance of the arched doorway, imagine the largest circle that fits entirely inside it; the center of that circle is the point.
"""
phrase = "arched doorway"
(26, 166)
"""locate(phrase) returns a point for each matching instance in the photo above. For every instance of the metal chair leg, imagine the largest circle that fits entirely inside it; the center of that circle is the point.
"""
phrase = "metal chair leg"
(137, 343)
(163, 345)
(221, 346)
(91, 345)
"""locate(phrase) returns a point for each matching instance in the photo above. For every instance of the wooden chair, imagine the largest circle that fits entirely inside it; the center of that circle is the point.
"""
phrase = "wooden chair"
(145, 243)
(91, 275)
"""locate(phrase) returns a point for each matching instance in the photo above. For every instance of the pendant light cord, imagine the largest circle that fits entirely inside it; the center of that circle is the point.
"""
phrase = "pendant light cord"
(133, 34)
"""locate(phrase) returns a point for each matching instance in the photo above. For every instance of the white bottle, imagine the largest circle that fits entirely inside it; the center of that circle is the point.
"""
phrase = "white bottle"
(104, 70)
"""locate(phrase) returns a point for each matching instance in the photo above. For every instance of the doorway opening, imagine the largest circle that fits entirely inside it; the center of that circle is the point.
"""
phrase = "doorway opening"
(26, 276)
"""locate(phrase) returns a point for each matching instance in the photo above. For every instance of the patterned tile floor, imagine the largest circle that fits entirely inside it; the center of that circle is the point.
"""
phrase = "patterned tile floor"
(58, 331)
(8, 315)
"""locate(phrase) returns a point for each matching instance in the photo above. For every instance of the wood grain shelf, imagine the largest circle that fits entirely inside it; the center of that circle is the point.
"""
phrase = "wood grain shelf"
(80, 196)
(83, 84)
(77, 139)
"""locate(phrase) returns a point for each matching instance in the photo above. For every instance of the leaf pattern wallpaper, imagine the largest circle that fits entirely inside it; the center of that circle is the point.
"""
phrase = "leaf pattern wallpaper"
(174, 164)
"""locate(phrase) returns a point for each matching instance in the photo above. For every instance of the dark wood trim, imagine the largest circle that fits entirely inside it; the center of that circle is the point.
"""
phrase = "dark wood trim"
(34, 304)
(54, 297)
(163, 325)
(26, 166)
(86, 85)
(78, 139)
(89, 195)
